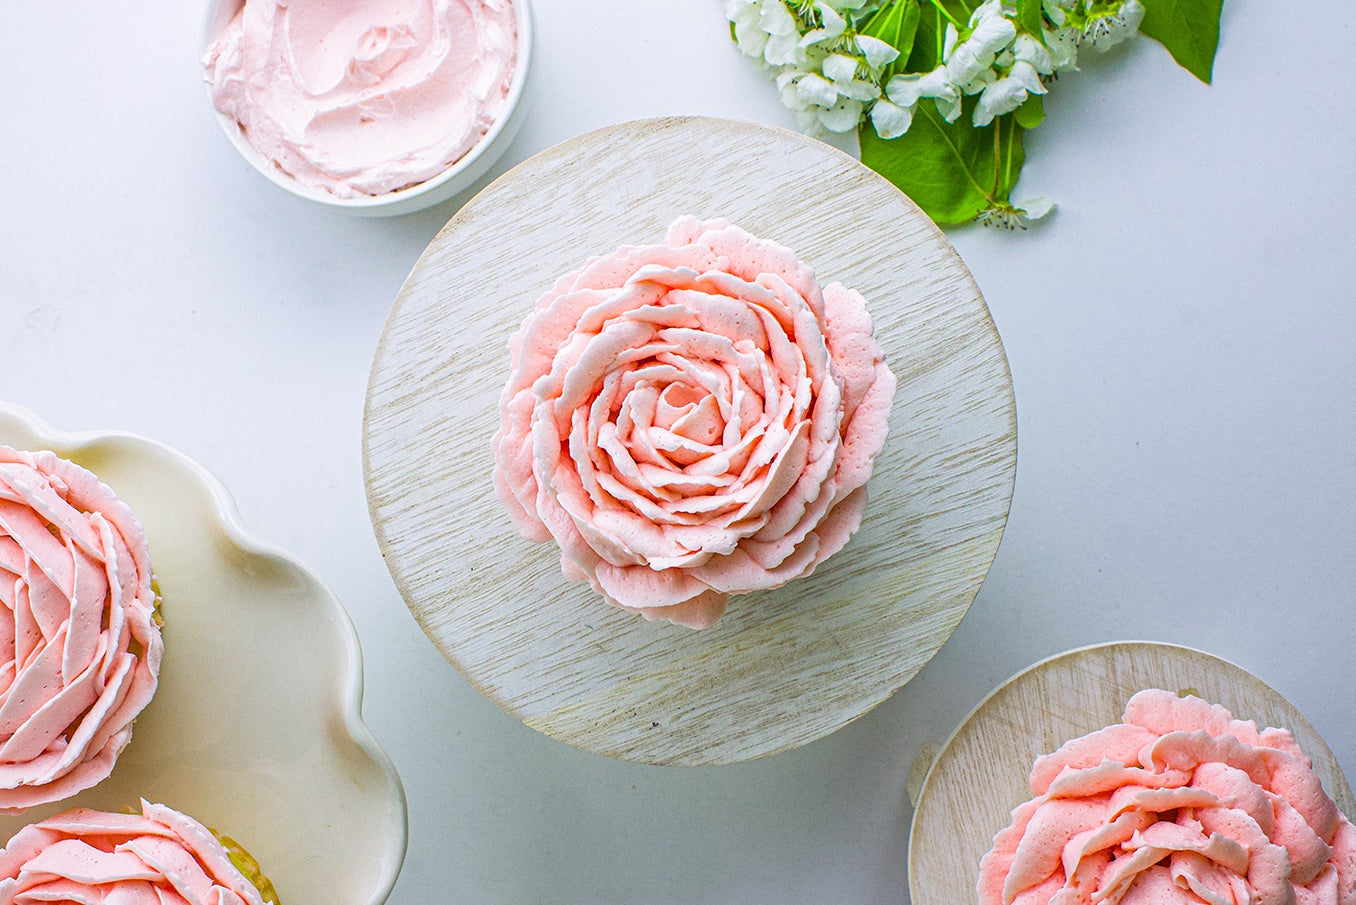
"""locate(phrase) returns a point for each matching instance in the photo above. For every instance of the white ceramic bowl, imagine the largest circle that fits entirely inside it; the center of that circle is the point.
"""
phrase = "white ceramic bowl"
(449, 182)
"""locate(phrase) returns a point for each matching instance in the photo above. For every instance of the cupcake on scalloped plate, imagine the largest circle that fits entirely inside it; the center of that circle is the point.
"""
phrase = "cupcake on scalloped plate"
(156, 857)
(80, 643)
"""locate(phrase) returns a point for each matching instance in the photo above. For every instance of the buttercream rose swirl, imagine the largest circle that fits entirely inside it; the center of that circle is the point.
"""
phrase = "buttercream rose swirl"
(79, 647)
(364, 98)
(1180, 804)
(692, 420)
(157, 857)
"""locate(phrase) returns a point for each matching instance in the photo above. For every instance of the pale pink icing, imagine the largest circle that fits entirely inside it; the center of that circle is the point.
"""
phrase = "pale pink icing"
(1180, 804)
(363, 97)
(157, 857)
(692, 420)
(79, 647)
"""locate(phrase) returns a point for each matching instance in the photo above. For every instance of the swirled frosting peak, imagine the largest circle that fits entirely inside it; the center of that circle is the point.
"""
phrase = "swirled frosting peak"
(692, 420)
(1180, 804)
(364, 98)
(79, 646)
(157, 857)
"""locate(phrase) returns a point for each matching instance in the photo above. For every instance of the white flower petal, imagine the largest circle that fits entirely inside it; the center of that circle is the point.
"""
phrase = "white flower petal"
(949, 108)
(814, 89)
(936, 84)
(814, 36)
(989, 9)
(1027, 48)
(741, 10)
(858, 90)
(1002, 96)
(949, 43)
(964, 64)
(775, 19)
(842, 116)
(992, 34)
(878, 53)
(782, 50)
(982, 80)
(1063, 46)
(840, 68)
(904, 90)
(750, 41)
(890, 120)
(786, 89)
(1036, 208)
(833, 23)
(1024, 74)
(1133, 14)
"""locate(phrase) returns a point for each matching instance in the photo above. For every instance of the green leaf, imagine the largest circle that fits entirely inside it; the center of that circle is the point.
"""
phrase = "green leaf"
(953, 171)
(896, 23)
(927, 42)
(1189, 29)
(1032, 112)
(1029, 16)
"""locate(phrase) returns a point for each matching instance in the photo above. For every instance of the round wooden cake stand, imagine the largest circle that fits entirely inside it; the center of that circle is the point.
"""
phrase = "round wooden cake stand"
(981, 773)
(782, 667)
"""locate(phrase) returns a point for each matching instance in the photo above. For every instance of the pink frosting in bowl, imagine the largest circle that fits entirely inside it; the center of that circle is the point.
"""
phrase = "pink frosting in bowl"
(377, 107)
(80, 648)
(157, 857)
(1180, 804)
(692, 420)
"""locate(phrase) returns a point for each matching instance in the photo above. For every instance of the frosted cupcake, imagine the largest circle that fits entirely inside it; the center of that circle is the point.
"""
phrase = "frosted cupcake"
(157, 857)
(1180, 804)
(692, 420)
(80, 647)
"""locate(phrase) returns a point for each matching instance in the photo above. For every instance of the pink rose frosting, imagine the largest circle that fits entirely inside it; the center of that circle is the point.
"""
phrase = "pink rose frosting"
(79, 646)
(363, 98)
(1180, 804)
(157, 857)
(692, 420)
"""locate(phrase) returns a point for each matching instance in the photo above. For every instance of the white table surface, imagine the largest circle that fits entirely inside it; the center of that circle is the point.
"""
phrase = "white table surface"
(1180, 335)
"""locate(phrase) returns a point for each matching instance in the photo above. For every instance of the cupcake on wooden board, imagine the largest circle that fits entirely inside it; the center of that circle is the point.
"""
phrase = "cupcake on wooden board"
(1179, 804)
(156, 857)
(80, 645)
(692, 420)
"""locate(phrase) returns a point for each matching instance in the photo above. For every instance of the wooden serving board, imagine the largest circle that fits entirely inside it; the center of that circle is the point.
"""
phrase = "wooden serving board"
(981, 773)
(784, 666)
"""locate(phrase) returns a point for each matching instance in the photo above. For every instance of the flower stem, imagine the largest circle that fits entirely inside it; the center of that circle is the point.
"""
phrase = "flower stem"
(946, 12)
(997, 157)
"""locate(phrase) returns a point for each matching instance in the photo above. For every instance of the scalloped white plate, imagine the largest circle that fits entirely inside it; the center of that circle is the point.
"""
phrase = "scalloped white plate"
(255, 728)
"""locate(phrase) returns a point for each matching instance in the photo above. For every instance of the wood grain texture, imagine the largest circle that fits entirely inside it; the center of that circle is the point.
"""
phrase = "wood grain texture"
(981, 773)
(784, 666)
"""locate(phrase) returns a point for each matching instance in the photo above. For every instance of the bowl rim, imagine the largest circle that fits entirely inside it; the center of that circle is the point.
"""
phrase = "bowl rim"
(412, 197)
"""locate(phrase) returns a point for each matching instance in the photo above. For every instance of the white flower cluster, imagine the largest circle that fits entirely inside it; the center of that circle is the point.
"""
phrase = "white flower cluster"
(827, 74)
(831, 77)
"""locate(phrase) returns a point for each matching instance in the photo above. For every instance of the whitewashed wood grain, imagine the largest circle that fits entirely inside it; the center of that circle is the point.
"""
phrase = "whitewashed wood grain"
(785, 666)
(981, 773)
